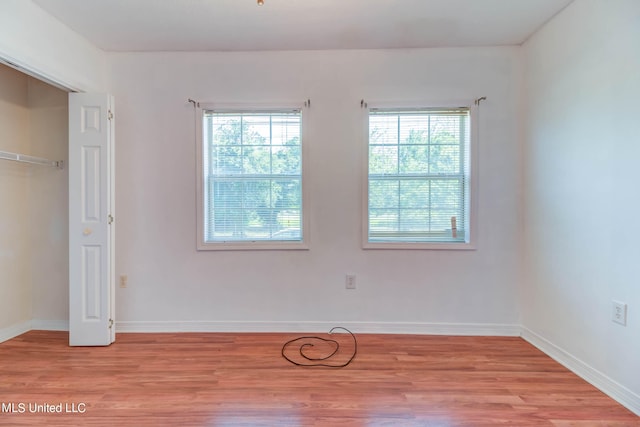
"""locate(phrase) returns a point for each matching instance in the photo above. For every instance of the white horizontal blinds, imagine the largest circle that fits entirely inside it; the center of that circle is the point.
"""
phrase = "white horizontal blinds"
(418, 175)
(253, 176)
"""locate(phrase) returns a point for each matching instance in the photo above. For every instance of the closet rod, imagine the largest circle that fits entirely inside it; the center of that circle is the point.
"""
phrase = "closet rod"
(5, 155)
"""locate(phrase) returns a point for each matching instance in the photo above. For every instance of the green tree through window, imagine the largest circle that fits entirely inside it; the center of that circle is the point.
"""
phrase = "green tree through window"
(418, 175)
(253, 179)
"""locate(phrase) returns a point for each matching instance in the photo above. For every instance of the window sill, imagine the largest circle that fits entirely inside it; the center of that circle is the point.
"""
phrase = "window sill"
(253, 246)
(420, 246)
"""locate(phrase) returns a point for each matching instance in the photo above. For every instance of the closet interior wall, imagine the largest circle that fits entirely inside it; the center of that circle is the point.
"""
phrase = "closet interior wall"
(33, 204)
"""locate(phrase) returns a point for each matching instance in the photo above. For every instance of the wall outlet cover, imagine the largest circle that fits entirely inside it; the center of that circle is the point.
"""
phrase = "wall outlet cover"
(619, 312)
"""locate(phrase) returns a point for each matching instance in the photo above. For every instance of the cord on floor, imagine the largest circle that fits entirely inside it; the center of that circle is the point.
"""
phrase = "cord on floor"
(306, 342)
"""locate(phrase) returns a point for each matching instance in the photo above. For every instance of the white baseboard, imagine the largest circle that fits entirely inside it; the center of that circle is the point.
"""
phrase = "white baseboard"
(476, 329)
(50, 325)
(613, 389)
(416, 328)
(14, 330)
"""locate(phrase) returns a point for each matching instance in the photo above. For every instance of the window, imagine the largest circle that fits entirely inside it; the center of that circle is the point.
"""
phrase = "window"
(418, 175)
(251, 194)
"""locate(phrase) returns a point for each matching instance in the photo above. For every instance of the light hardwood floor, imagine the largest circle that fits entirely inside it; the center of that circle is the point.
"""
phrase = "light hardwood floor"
(207, 379)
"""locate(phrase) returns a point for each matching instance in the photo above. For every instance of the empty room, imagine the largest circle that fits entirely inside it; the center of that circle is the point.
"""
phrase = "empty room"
(319, 213)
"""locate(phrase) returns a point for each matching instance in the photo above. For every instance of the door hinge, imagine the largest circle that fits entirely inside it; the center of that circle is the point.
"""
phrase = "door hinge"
(110, 323)
(110, 219)
(110, 115)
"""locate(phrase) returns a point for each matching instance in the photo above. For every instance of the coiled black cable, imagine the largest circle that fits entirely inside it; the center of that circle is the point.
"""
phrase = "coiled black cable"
(307, 341)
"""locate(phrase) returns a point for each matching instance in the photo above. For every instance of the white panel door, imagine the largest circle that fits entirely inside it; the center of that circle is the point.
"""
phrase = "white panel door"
(91, 228)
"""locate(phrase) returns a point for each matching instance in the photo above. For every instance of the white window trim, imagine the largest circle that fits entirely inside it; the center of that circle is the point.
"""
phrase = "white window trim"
(473, 177)
(201, 244)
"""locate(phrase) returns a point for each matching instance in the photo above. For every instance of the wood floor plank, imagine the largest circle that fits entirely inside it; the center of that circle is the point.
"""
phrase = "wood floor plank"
(205, 379)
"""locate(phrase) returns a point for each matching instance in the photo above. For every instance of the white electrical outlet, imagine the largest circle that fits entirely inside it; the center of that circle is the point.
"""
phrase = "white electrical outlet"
(619, 312)
(350, 281)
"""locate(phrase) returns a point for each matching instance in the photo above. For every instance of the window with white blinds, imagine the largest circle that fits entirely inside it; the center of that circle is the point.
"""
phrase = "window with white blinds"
(252, 176)
(418, 176)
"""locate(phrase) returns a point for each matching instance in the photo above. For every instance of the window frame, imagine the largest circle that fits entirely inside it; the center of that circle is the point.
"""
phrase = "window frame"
(471, 221)
(201, 243)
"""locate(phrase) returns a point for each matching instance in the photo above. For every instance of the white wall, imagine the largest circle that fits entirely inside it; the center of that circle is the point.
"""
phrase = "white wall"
(155, 193)
(581, 187)
(33, 39)
(49, 204)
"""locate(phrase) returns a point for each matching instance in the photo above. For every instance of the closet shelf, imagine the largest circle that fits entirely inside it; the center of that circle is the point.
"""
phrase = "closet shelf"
(5, 155)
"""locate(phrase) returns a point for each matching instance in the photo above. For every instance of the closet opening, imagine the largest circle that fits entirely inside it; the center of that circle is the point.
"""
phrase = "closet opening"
(34, 203)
